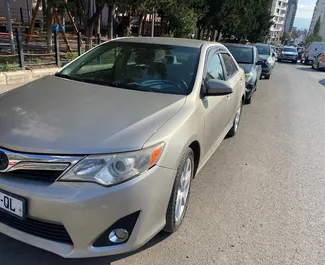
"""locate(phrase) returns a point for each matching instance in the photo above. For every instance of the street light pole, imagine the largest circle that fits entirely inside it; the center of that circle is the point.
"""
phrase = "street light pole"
(9, 26)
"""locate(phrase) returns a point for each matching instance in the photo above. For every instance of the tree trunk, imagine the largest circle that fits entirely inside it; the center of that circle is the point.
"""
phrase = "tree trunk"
(49, 16)
(72, 20)
(141, 17)
(89, 28)
(143, 24)
(218, 34)
(110, 21)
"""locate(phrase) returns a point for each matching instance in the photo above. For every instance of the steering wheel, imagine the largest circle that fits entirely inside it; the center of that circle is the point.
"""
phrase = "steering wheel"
(180, 83)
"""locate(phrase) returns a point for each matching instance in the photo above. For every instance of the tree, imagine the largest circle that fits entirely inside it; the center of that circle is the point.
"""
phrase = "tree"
(317, 27)
(285, 37)
(313, 38)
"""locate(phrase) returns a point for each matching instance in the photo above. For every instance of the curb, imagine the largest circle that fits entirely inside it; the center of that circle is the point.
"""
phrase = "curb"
(25, 76)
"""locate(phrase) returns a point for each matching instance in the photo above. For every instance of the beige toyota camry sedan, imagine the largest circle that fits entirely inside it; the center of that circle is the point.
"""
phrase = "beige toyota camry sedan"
(99, 158)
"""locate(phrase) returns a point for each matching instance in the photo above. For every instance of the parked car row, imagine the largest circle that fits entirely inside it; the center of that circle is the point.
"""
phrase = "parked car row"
(257, 60)
(99, 158)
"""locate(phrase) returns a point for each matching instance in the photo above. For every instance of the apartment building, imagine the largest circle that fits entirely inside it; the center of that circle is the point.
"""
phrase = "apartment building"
(291, 15)
(319, 11)
(279, 11)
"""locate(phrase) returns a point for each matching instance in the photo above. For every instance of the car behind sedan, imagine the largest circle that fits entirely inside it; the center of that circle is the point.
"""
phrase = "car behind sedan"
(268, 57)
(99, 158)
(247, 57)
(288, 53)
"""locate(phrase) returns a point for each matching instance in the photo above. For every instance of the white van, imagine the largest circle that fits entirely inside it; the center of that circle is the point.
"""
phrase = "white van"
(312, 51)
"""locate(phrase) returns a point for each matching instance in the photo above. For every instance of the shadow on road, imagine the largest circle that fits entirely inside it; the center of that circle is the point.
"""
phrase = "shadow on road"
(306, 69)
(322, 82)
(17, 253)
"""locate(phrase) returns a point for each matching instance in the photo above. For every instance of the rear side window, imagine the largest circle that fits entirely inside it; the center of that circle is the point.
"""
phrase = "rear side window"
(230, 65)
(214, 70)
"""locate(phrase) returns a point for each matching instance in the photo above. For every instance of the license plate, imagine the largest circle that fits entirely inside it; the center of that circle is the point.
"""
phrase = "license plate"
(12, 204)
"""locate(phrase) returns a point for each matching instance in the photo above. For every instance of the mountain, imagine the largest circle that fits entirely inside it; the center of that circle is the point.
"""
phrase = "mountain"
(302, 23)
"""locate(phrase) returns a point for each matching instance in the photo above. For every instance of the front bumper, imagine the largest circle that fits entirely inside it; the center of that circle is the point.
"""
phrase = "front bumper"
(86, 210)
(288, 57)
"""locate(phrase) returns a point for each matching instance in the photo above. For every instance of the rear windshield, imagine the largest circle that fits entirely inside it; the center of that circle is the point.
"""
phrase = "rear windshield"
(263, 49)
(242, 54)
(289, 50)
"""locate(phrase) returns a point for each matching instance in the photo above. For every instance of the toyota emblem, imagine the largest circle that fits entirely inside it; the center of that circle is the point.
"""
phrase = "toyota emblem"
(4, 162)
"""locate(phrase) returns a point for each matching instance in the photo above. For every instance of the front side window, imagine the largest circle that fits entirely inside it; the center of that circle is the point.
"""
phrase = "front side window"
(229, 64)
(138, 66)
(214, 70)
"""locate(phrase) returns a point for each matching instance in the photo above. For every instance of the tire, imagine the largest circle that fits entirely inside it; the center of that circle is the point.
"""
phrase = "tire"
(175, 212)
(306, 62)
(235, 125)
(248, 100)
(295, 62)
(267, 76)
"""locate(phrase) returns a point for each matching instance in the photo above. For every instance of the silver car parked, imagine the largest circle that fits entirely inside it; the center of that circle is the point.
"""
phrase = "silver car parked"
(319, 61)
(99, 158)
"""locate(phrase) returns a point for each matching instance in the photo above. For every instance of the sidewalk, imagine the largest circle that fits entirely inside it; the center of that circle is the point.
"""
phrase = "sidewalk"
(10, 80)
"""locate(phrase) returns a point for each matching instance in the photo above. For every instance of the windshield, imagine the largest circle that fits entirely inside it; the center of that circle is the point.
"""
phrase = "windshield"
(138, 66)
(289, 50)
(242, 54)
(263, 49)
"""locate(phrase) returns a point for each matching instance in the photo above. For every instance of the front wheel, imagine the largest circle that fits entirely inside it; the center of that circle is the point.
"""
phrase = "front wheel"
(236, 122)
(178, 201)
(295, 61)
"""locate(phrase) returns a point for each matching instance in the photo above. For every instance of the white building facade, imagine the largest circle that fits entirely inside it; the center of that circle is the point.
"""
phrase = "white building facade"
(279, 11)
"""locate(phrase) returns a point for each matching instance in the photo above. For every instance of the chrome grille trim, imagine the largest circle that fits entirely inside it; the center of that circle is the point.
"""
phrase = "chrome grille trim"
(18, 161)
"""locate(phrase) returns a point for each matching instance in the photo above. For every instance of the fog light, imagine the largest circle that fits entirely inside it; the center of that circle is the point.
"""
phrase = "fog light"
(118, 235)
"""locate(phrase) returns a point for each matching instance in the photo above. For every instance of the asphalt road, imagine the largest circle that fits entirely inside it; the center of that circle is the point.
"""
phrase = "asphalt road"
(259, 200)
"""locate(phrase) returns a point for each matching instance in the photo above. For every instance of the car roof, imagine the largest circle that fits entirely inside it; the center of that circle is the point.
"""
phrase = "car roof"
(238, 45)
(168, 41)
(262, 44)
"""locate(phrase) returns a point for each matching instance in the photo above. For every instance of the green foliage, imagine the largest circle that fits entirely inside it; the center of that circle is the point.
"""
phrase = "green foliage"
(313, 38)
(183, 23)
(285, 37)
(317, 27)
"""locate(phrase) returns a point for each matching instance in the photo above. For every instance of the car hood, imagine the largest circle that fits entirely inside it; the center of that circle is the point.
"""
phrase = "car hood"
(247, 67)
(58, 116)
(264, 57)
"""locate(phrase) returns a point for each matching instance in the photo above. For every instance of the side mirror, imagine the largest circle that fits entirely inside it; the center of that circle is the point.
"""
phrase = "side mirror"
(218, 88)
(259, 62)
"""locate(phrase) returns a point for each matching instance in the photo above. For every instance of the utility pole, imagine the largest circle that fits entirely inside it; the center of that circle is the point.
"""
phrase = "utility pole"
(153, 23)
(9, 26)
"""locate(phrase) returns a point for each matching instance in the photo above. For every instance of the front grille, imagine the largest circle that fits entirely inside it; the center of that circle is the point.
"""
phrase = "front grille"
(49, 231)
(48, 176)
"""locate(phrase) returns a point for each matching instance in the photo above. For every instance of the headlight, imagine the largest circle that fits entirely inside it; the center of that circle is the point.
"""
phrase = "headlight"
(248, 76)
(113, 169)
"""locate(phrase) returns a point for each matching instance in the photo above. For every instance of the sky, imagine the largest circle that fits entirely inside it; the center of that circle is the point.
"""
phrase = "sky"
(304, 13)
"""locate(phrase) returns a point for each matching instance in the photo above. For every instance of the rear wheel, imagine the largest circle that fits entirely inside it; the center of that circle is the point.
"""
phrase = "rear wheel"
(267, 76)
(236, 122)
(295, 61)
(178, 201)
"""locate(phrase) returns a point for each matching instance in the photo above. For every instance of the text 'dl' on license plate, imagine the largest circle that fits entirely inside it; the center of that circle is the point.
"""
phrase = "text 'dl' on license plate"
(12, 204)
